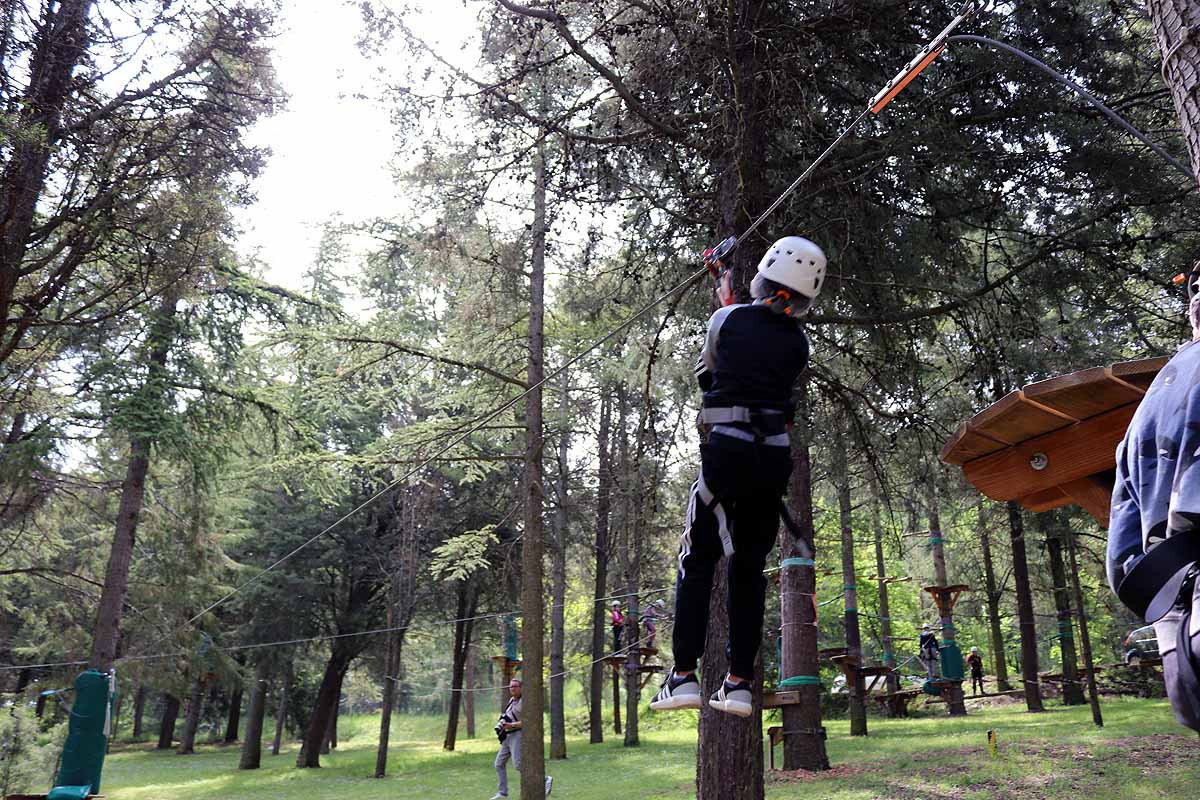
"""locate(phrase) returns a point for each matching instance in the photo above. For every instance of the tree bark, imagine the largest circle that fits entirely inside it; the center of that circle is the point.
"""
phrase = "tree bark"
(323, 709)
(252, 746)
(1085, 641)
(892, 681)
(854, 654)
(1176, 23)
(133, 490)
(953, 692)
(467, 603)
(533, 759)
(331, 733)
(391, 666)
(992, 599)
(281, 714)
(804, 744)
(61, 42)
(469, 689)
(166, 728)
(1029, 654)
(603, 499)
(558, 585)
(235, 716)
(1072, 691)
(139, 708)
(191, 722)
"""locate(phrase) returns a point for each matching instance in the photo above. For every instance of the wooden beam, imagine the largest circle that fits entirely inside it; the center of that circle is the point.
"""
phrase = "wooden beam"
(1045, 500)
(1071, 453)
(1093, 495)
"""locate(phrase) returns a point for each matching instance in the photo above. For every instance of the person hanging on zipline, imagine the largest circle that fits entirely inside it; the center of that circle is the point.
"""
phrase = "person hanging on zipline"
(752, 355)
(927, 650)
(975, 662)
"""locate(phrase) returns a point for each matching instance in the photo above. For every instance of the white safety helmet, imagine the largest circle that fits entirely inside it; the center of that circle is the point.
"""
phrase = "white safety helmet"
(974, 649)
(796, 263)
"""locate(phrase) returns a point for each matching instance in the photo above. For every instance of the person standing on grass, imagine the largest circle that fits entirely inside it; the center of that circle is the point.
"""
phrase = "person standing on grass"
(509, 729)
(752, 355)
(975, 662)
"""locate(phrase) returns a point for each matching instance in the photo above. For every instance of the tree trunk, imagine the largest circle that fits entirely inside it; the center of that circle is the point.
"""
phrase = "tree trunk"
(1175, 24)
(166, 729)
(533, 759)
(730, 751)
(469, 688)
(391, 666)
(235, 716)
(992, 599)
(191, 722)
(281, 714)
(1072, 690)
(331, 733)
(467, 602)
(1085, 641)
(252, 746)
(892, 681)
(139, 708)
(558, 586)
(325, 706)
(953, 691)
(854, 654)
(133, 491)
(1029, 654)
(804, 744)
(599, 628)
(60, 44)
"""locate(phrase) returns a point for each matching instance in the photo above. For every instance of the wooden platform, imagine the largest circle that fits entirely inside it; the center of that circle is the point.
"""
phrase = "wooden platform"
(1053, 442)
(897, 702)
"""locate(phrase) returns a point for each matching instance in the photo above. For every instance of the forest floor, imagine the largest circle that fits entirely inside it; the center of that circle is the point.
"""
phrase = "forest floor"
(1140, 753)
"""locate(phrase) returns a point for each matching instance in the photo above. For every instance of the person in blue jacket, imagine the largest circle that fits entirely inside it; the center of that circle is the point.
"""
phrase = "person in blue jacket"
(752, 355)
(1153, 555)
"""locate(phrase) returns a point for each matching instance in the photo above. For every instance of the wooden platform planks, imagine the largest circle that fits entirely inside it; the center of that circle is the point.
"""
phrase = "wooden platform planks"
(1053, 441)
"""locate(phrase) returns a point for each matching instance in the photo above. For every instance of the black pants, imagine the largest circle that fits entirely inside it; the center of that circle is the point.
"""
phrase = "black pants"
(977, 679)
(733, 503)
(616, 637)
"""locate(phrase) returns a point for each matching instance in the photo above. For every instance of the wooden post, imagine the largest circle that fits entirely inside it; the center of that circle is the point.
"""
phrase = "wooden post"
(616, 676)
(1085, 641)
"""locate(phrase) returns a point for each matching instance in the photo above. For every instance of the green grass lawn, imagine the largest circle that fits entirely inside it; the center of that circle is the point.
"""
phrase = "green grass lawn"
(1141, 753)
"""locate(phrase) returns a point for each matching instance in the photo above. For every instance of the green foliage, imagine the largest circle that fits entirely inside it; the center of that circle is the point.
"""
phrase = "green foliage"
(459, 557)
(29, 751)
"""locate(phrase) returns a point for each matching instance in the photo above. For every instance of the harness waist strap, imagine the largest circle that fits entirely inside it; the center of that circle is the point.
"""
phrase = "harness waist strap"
(1150, 588)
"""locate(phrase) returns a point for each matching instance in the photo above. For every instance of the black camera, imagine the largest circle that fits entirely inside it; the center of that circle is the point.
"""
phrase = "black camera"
(501, 733)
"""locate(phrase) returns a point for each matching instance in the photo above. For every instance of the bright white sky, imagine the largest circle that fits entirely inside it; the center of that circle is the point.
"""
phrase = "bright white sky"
(331, 149)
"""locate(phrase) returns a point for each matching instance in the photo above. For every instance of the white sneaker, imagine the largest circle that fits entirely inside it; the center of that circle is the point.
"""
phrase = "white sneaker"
(499, 797)
(677, 693)
(549, 785)
(733, 698)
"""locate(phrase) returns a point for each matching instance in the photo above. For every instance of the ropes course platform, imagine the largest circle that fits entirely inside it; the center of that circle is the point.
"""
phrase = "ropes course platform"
(1054, 442)
(897, 702)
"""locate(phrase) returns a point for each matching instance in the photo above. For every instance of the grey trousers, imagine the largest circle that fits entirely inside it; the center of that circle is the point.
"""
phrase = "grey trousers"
(510, 748)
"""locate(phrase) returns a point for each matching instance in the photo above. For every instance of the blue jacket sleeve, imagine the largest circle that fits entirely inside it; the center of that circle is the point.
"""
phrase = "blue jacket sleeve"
(1124, 523)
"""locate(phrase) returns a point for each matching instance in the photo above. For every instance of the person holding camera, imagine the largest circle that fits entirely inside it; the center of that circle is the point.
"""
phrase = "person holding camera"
(508, 731)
